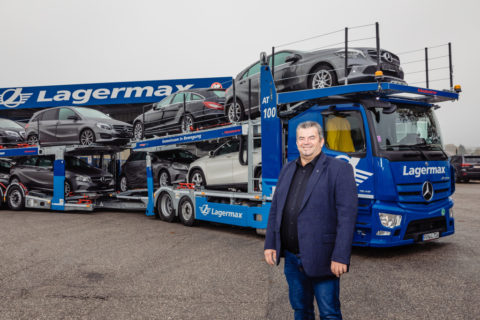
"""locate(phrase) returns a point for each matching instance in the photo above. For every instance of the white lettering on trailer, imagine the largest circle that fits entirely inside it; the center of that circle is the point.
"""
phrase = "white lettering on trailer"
(206, 210)
(419, 171)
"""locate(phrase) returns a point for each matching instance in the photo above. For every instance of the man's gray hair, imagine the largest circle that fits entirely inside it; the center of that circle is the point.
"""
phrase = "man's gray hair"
(311, 124)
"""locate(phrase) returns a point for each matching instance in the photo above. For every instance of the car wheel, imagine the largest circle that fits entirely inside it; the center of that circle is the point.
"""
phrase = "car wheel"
(235, 112)
(87, 137)
(198, 178)
(165, 207)
(16, 198)
(32, 139)
(188, 123)
(14, 180)
(258, 183)
(323, 76)
(67, 188)
(186, 212)
(164, 179)
(123, 185)
(138, 130)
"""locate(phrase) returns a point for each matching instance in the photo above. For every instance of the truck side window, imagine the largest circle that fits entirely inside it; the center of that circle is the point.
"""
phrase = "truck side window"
(344, 131)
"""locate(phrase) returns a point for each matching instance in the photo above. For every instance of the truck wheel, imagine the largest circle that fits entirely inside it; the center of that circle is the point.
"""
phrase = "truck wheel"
(16, 198)
(186, 212)
(165, 207)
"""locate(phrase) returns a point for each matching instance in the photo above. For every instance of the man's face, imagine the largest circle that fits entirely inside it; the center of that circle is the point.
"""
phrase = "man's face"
(308, 142)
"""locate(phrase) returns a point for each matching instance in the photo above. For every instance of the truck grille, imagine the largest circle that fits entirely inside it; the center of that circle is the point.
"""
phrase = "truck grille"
(412, 193)
(416, 228)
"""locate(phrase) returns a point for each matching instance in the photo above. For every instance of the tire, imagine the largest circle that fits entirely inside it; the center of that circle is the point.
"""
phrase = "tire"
(32, 139)
(198, 178)
(164, 179)
(138, 130)
(322, 76)
(15, 198)
(14, 180)
(67, 189)
(186, 212)
(187, 124)
(165, 208)
(235, 112)
(257, 186)
(87, 137)
(123, 184)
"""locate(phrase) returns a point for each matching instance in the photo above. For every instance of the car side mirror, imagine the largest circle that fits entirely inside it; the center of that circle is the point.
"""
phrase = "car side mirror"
(74, 118)
(293, 58)
(211, 154)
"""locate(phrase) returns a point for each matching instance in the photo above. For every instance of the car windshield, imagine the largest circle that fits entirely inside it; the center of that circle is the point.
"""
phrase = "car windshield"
(73, 162)
(5, 123)
(92, 113)
(185, 155)
(407, 128)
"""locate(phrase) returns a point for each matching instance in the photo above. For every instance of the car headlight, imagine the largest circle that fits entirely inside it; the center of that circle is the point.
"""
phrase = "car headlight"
(390, 220)
(12, 133)
(104, 126)
(83, 179)
(4, 176)
(351, 53)
(179, 166)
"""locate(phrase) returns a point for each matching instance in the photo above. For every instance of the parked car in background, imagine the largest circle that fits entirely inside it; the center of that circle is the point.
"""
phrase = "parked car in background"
(168, 167)
(203, 107)
(36, 173)
(299, 70)
(11, 132)
(467, 167)
(5, 165)
(222, 168)
(76, 125)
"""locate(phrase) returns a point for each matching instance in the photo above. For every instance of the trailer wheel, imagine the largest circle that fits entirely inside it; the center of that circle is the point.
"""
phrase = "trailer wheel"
(16, 198)
(186, 212)
(165, 207)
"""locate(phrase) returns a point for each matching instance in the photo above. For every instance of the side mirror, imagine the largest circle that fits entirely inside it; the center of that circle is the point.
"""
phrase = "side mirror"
(293, 58)
(74, 118)
(211, 154)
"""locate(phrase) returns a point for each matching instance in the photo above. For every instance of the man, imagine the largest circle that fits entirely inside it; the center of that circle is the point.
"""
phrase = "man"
(311, 224)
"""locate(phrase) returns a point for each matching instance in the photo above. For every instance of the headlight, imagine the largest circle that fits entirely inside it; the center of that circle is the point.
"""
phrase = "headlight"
(83, 179)
(12, 133)
(179, 166)
(390, 220)
(4, 176)
(352, 53)
(104, 126)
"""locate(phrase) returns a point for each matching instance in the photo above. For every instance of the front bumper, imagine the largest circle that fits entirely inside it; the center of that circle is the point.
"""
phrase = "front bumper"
(105, 136)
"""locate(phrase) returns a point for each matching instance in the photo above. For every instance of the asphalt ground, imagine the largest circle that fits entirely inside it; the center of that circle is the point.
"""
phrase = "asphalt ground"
(124, 265)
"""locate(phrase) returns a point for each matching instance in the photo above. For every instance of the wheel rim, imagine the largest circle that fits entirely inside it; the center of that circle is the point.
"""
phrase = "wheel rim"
(187, 210)
(322, 79)
(234, 112)
(187, 123)
(32, 140)
(86, 138)
(67, 189)
(138, 131)
(197, 179)
(167, 205)
(123, 184)
(15, 198)
(163, 179)
(259, 187)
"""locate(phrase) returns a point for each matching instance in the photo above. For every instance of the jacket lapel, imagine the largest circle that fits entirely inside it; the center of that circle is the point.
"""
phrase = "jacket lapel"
(312, 181)
(286, 187)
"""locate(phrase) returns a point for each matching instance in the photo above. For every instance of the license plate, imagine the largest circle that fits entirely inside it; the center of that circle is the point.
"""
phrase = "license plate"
(389, 67)
(430, 236)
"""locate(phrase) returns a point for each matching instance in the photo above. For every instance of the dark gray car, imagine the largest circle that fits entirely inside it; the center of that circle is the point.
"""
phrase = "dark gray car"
(76, 125)
(298, 70)
(203, 107)
(167, 167)
(11, 132)
(36, 173)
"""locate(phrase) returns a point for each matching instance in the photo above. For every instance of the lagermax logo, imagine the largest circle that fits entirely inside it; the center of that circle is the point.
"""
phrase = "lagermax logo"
(205, 210)
(12, 98)
(360, 175)
(427, 190)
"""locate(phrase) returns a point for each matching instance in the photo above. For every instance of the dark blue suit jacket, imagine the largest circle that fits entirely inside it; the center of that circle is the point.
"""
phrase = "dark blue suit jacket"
(327, 217)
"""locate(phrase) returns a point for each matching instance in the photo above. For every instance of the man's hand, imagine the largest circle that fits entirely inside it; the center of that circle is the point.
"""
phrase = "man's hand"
(338, 268)
(270, 256)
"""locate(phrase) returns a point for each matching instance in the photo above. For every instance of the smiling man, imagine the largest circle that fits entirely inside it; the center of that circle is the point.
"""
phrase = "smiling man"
(311, 224)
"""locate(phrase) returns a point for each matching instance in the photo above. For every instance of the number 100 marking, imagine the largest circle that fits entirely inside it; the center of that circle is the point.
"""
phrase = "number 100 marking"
(269, 113)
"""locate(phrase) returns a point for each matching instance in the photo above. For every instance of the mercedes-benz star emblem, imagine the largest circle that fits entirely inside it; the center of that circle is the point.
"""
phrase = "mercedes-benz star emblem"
(388, 56)
(427, 191)
(102, 179)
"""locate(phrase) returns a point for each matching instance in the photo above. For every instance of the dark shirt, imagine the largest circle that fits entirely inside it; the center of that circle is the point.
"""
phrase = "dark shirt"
(296, 193)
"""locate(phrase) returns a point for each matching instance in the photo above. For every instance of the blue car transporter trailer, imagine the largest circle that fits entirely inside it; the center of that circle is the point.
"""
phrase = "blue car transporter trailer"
(404, 191)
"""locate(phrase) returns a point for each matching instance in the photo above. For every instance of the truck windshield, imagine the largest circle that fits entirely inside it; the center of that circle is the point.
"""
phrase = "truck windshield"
(407, 128)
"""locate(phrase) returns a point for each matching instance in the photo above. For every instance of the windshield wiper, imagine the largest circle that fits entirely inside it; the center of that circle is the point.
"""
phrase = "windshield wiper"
(415, 147)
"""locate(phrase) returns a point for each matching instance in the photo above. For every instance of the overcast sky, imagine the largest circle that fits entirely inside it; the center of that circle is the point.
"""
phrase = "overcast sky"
(55, 42)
